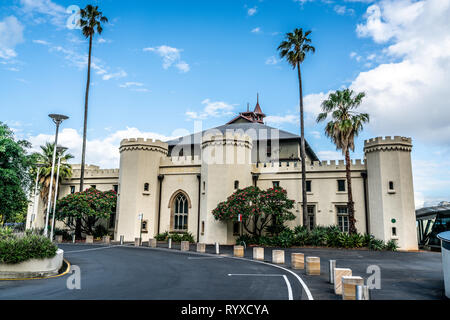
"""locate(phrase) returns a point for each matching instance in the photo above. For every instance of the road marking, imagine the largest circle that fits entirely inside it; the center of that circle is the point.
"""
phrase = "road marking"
(198, 258)
(288, 284)
(93, 249)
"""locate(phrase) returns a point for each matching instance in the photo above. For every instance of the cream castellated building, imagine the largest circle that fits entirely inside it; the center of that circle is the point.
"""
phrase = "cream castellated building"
(176, 184)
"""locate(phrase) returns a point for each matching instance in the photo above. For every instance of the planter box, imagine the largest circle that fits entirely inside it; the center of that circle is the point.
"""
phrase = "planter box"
(89, 239)
(59, 239)
(298, 261)
(313, 266)
(258, 253)
(33, 268)
(278, 256)
(106, 239)
(238, 251)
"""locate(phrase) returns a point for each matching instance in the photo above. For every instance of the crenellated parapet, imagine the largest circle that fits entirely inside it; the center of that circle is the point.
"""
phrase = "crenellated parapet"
(315, 166)
(95, 173)
(388, 143)
(134, 144)
(181, 161)
(231, 139)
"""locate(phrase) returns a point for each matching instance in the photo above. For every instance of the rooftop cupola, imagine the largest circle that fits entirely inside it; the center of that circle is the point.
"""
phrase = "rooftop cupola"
(257, 116)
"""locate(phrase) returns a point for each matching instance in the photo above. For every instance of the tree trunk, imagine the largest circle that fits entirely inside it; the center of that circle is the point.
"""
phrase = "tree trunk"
(302, 150)
(83, 152)
(350, 204)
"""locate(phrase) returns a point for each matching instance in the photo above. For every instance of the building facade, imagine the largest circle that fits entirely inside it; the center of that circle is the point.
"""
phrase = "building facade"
(176, 184)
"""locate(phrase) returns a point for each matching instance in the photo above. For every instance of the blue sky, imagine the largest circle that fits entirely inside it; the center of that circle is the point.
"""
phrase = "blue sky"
(161, 65)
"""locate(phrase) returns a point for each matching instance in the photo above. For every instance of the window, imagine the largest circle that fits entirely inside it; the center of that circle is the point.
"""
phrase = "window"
(203, 227)
(276, 184)
(308, 185)
(391, 185)
(394, 231)
(93, 186)
(72, 189)
(144, 226)
(112, 219)
(204, 186)
(146, 187)
(180, 214)
(236, 185)
(269, 149)
(341, 185)
(236, 228)
(311, 215)
(116, 188)
(342, 218)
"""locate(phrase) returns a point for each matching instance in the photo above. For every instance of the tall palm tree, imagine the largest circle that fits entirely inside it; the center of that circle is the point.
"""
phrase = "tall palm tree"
(91, 23)
(344, 126)
(294, 50)
(45, 157)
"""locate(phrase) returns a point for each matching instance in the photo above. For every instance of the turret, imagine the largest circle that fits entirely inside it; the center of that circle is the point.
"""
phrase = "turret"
(390, 190)
(138, 187)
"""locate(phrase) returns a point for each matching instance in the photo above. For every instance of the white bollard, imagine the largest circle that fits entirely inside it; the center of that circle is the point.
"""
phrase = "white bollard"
(170, 243)
(73, 238)
(217, 248)
(121, 240)
(331, 274)
(362, 293)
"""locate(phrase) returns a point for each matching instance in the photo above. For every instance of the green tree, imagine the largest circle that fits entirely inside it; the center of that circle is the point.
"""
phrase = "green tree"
(258, 208)
(294, 49)
(15, 178)
(345, 124)
(45, 157)
(91, 23)
(89, 206)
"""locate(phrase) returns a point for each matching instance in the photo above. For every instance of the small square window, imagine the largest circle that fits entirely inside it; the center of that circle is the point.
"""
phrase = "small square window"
(308, 185)
(341, 185)
(146, 187)
(276, 184)
(394, 231)
(391, 185)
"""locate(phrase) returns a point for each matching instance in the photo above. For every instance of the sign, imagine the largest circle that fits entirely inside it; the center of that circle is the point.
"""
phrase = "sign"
(240, 217)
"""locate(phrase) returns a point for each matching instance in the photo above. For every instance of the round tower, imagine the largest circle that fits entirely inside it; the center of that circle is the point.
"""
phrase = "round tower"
(226, 167)
(391, 191)
(138, 187)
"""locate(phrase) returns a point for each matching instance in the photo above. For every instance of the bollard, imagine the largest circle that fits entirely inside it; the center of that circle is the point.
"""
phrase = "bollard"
(349, 285)
(331, 271)
(170, 243)
(152, 243)
(338, 274)
(73, 238)
(121, 240)
(201, 247)
(217, 248)
(137, 242)
(238, 251)
(89, 239)
(278, 256)
(362, 293)
(298, 261)
(58, 239)
(258, 254)
(313, 266)
(106, 239)
(184, 246)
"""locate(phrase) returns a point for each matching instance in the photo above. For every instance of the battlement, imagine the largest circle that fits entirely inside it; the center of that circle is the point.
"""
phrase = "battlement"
(144, 144)
(388, 143)
(295, 166)
(95, 173)
(181, 161)
(228, 138)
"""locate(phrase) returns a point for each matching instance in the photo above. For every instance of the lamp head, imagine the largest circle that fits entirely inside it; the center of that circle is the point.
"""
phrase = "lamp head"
(60, 149)
(58, 118)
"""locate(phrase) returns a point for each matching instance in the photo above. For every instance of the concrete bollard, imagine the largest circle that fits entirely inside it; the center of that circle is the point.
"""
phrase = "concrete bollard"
(201, 247)
(137, 242)
(238, 251)
(298, 261)
(152, 243)
(217, 248)
(59, 239)
(362, 293)
(106, 239)
(349, 287)
(258, 254)
(278, 256)
(121, 240)
(338, 274)
(89, 239)
(73, 238)
(184, 246)
(332, 266)
(170, 243)
(312, 266)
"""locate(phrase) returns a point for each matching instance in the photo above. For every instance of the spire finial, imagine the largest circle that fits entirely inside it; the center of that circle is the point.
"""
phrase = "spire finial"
(257, 97)
(248, 107)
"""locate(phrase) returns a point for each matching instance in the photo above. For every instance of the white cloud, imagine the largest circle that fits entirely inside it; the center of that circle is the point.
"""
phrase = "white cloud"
(342, 10)
(171, 56)
(11, 34)
(131, 84)
(42, 42)
(43, 10)
(279, 120)
(212, 109)
(272, 60)
(315, 134)
(330, 155)
(252, 11)
(103, 152)
(256, 30)
(116, 75)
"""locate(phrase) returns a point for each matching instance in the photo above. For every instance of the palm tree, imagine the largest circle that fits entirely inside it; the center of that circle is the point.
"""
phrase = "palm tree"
(344, 126)
(294, 50)
(46, 159)
(90, 22)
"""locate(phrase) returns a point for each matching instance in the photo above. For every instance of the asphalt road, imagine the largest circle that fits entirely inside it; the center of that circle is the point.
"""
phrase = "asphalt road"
(139, 273)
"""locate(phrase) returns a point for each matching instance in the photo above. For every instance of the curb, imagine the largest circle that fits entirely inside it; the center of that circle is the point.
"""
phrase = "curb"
(47, 277)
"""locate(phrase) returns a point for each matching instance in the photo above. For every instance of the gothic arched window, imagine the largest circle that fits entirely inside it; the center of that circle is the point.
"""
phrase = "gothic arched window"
(180, 212)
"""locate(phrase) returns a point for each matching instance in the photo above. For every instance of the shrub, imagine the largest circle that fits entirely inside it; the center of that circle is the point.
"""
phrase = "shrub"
(285, 238)
(391, 245)
(318, 236)
(187, 237)
(64, 233)
(15, 250)
(100, 231)
(162, 236)
(6, 233)
(376, 244)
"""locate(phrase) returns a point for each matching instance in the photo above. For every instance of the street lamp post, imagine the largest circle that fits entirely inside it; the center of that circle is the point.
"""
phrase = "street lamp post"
(57, 119)
(60, 151)
(36, 199)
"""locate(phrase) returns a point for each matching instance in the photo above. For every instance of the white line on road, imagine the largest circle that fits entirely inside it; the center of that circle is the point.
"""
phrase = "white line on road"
(102, 248)
(198, 258)
(288, 284)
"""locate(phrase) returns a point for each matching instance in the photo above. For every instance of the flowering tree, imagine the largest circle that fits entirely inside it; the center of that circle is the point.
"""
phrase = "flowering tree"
(260, 208)
(89, 206)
